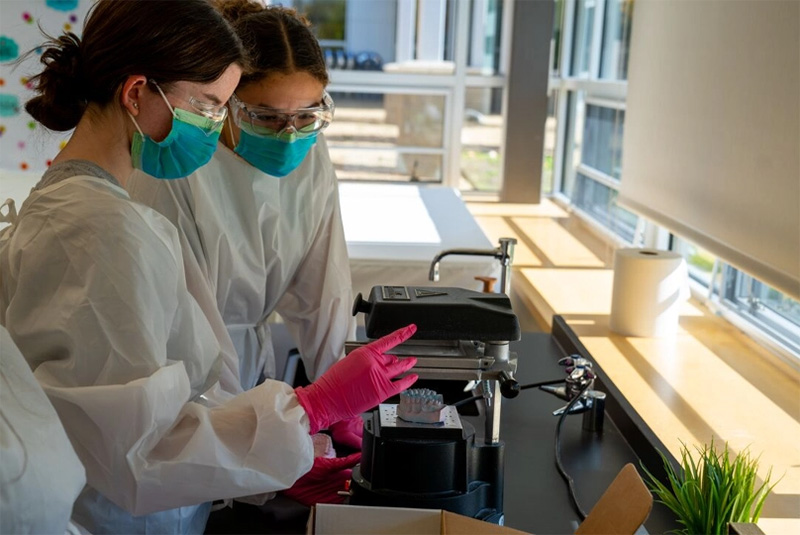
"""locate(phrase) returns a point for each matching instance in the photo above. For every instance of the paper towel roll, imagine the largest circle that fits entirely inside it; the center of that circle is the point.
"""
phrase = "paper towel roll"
(649, 287)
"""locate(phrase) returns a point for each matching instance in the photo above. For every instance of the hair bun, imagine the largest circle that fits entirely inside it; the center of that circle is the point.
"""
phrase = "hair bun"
(61, 87)
(234, 10)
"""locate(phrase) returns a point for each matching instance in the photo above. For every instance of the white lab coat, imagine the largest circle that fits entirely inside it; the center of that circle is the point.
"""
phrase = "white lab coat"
(93, 291)
(40, 475)
(266, 244)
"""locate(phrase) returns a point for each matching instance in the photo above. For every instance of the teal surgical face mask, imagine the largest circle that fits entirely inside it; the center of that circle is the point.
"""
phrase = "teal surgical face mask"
(277, 155)
(276, 141)
(189, 145)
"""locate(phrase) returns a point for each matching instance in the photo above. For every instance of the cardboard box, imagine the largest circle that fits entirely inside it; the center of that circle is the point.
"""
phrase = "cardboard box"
(327, 519)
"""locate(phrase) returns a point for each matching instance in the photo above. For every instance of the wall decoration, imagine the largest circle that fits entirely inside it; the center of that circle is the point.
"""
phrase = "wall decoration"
(24, 144)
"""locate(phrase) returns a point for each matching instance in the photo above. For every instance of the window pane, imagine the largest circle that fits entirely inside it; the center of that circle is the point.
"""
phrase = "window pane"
(600, 202)
(387, 136)
(549, 143)
(699, 261)
(765, 306)
(572, 134)
(584, 30)
(602, 139)
(555, 42)
(327, 17)
(486, 24)
(481, 139)
(354, 30)
(616, 39)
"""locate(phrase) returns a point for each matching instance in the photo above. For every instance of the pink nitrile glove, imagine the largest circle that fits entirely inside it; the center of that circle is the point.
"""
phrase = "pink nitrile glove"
(348, 432)
(322, 483)
(358, 382)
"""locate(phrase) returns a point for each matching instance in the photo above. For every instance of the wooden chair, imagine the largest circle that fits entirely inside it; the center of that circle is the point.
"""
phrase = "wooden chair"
(622, 508)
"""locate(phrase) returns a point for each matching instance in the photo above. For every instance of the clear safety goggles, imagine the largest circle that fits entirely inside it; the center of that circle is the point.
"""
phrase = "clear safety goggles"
(215, 113)
(269, 122)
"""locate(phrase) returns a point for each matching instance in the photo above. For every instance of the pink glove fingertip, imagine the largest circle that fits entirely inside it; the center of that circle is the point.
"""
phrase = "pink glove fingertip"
(405, 383)
(335, 464)
(385, 343)
(399, 366)
(352, 459)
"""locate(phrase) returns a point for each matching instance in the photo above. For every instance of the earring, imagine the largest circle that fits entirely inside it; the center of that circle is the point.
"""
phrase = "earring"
(136, 106)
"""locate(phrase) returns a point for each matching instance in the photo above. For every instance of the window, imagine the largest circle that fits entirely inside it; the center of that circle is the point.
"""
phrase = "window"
(761, 310)
(387, 136)
(598, 201)
(588, 117)
(763, 306)
(596, 163)
(486, 31)
(602, 139)
(550, 135)
(439, 61)
(588, 101)
(616, 38)
(481, 140)
(326, 16)
(584, 34)
(555, 44)
(700, 262)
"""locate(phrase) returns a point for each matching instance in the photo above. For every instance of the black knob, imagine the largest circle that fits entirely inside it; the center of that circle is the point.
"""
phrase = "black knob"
(360, 305)
(508, 387)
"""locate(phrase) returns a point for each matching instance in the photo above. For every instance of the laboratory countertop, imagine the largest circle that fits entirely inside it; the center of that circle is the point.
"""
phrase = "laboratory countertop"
(536, 498)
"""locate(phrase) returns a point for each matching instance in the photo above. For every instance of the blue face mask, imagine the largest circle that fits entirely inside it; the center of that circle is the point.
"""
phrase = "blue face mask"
(189, 145)
(275, 156)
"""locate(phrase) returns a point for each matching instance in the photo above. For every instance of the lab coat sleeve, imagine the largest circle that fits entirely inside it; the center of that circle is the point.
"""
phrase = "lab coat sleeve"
(318, 302)
(147, 449)
(99, 307)
(40, 474)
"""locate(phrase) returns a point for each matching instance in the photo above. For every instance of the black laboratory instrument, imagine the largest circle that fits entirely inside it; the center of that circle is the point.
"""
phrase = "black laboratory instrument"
(462, 335)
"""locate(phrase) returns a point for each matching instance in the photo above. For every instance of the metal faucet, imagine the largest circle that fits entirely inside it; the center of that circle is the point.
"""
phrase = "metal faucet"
(504, 253)
(580, 378)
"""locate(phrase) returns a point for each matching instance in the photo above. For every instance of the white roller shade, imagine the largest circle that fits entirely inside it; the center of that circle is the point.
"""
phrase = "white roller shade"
(712, 129)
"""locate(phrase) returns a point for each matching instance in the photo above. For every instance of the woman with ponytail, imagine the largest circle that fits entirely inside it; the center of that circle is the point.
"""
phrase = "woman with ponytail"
(93, 286)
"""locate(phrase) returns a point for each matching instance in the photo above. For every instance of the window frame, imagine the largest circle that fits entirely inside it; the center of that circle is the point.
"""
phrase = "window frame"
(453, 86)
(573, 93)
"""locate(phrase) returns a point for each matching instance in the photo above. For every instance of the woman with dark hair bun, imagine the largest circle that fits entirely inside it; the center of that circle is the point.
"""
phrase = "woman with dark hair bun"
(263, 216)
(93, 286)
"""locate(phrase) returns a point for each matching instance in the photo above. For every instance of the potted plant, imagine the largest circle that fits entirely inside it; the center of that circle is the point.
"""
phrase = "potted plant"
(711, 490)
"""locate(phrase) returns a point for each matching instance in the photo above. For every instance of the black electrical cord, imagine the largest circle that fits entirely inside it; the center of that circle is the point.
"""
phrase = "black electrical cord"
(557, 446)
(467, 400)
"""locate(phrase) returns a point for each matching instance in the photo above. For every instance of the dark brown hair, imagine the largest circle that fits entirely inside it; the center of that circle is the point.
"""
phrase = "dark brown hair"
(165, 40)
(276, 39)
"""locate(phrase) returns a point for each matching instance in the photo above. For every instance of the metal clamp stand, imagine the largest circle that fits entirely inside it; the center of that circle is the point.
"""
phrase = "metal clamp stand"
(506, 386)
(592, 402)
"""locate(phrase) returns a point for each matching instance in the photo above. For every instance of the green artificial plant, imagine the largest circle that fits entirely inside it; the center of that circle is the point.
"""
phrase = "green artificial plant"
(711, 490)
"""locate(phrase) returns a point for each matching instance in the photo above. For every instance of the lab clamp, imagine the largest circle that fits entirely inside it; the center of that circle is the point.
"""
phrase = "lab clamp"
(461, 335)
(580, 384)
